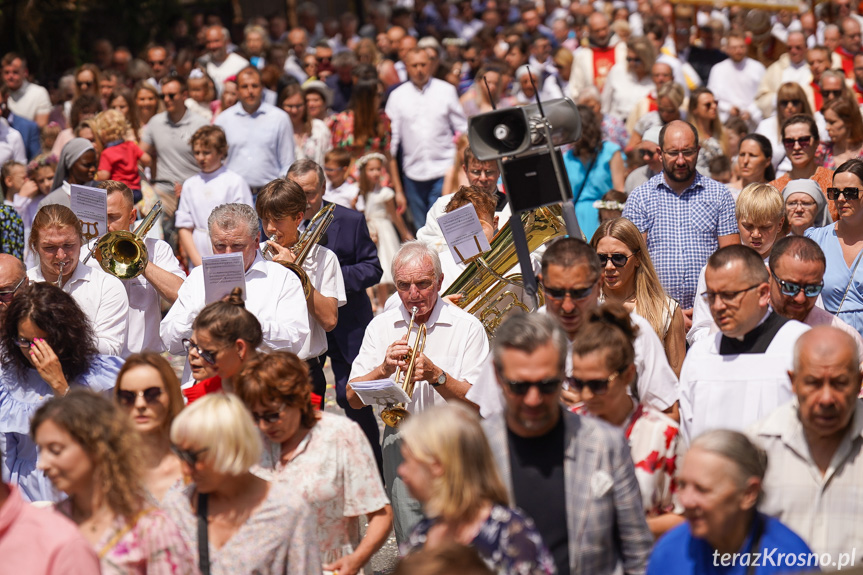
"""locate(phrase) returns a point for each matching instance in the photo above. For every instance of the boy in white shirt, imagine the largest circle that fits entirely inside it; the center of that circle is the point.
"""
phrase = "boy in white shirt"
(339, 190)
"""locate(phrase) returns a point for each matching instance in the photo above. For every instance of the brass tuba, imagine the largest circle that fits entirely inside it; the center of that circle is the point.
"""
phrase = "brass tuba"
(486, 292)
(314, 231)
(123, 253)
(393, 415)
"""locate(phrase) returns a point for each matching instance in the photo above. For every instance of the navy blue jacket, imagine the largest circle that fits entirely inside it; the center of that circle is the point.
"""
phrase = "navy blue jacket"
(29, 131)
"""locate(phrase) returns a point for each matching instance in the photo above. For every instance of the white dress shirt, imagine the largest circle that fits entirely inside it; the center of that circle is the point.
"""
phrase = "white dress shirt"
(657, 384)
(345, 195)
(455, 342)
(735, 391)
(145, 311)
(273, 296)
(325, 273)
(735, 85)
(423, 122)
(623, 90)
(231, 66)
(103, 299)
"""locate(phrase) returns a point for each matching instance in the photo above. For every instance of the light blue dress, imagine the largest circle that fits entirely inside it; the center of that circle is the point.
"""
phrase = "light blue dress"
(598, 183)
(836, 278)
(20, 396)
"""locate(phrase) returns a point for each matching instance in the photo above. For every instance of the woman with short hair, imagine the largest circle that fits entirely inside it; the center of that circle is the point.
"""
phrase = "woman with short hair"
(253, 525)
(720, 486)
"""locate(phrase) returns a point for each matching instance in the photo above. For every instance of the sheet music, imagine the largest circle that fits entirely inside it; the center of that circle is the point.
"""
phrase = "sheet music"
(381, 392)
(90, 205)
(223, 273)
(463, 233)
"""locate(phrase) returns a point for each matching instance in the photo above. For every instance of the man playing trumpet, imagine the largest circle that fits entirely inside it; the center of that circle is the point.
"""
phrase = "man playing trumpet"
(281, 205)
(455, 347)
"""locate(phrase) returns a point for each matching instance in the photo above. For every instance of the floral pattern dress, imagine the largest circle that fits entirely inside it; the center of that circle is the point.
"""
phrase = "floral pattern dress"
(508, 542)
(342, 129)
(11, 232)
(314, 145)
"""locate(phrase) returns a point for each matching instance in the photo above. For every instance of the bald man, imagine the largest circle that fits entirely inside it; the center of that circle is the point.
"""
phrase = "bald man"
(814, 445)
(13, 277)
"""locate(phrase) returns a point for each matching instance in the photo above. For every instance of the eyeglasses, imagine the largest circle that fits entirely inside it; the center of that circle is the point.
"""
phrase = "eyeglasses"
(831, 93)
(596, 386)
(783, 103)
(420, 285)
(167, 96)
(685, 153)
(726, 296)
(6, 296)
(270, 417)
(545, 386)
(188, 456)
(561, 293)
(617, 260)
(22, 341)
(208, 356)
(633, 60)
(849, 193)
(128, 398)
(791, 289)
(802, 142)
(647, 153)
(800, 204)
(84, 84)
(323, 59)
(709, 104)
(294, 106)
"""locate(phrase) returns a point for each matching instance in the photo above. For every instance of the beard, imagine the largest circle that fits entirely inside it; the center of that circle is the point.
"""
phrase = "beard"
(674, 177)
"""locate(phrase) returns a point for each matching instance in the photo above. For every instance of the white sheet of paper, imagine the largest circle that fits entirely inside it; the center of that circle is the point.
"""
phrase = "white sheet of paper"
(223, 273)
(90, 205)
(463, 233)
(381, 392)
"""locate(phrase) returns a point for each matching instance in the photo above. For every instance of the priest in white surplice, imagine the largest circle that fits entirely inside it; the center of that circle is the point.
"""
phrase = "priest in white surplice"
(739, 375)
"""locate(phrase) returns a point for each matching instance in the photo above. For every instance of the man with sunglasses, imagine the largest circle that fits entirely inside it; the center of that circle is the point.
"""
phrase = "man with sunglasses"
(455, 349)
(572, 474)
(735, 377)
(13, 278)
(797, 266)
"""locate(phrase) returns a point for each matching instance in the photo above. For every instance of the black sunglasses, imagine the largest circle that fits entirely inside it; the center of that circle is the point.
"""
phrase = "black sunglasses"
(208, 356)
(791, 289)
(188, 456)
(617, 260)
(831, 93)
(596, 386)
(270, 417)
(783, 103)
(128, 398)
(545, 386)
(849, 193)
(561, 293)
(803, 142)
(6, 296)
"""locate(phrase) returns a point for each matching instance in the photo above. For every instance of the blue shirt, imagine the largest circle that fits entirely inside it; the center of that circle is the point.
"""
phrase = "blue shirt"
(260, 145)
(679, 553)
(596, 184)
(837, 276)
(682, 230)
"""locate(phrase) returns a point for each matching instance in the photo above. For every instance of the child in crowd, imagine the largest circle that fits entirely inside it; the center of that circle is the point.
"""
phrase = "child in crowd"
(48, 135)
(720, 169)
(120, 157)
(41, 170)
(339, 190)
(201, 93)
(382, 218)
(611, 205)
(213, 186)
(23, 192)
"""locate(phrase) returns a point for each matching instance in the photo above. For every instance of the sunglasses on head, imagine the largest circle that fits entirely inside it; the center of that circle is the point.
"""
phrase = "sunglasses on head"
(545, 386)
(849, 193)
(617, 260)
(270, 417)
(188, 456)
(791, 289)
(128, 398)
(596, 386)
(802, 142)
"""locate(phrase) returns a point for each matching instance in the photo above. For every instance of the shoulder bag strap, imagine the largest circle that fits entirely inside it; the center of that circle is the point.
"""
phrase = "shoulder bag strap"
(850, 281)
(203, 540)
(586, 175)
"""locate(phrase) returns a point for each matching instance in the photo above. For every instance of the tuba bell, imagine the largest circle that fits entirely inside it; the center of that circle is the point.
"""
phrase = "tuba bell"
(313, 233)
(486, 293)
(123, 253)
(393, 415)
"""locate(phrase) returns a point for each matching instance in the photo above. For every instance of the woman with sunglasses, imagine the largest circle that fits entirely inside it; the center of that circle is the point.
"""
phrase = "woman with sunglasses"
(149, 392)
(791, 100)
(225, 335)
(48, 346)
(252, 525)
(324, 457)
(845, 128)
(800, 139)
(603, 372)
(629, 279)
(712, 138)
(90, 453)
(450, 469)
(841, 243)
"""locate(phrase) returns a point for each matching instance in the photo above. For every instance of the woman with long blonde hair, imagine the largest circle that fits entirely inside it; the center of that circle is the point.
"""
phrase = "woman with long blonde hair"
(629, 278)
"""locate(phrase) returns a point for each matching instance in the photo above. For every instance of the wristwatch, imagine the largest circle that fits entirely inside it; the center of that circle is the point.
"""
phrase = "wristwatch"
(441, 379)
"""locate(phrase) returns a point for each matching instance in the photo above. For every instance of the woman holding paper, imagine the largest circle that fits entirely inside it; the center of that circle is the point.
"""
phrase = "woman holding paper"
(56, 238)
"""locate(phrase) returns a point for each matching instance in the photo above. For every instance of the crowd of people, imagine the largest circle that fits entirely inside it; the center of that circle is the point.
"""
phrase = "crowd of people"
(682, 398)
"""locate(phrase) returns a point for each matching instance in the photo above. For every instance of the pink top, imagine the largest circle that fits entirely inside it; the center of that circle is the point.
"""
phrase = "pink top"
(36, 541)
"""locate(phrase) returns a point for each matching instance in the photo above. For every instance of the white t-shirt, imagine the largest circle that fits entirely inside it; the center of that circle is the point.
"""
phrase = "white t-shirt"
(29, 101)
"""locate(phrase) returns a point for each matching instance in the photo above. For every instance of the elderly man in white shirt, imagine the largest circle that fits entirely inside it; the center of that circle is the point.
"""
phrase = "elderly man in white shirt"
(281, 205)
(56, 238)
(425, 114)
(273, 293)
(161, 278)
(734, 82)
(814, 446)
(455, 347)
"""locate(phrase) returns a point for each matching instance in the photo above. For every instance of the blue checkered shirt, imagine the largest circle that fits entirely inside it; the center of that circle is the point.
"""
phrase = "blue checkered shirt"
(682, 230)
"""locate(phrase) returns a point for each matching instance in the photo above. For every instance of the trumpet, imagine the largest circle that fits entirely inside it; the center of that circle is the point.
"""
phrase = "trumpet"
(59, 283)
(393, 415)
(122, 253)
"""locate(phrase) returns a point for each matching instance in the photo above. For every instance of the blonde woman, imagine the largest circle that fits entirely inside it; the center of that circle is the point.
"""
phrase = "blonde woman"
(629, 279)
(448, 466)
(712, 138)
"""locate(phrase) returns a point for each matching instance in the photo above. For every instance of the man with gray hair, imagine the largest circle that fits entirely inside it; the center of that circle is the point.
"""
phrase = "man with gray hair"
(273, 293)
(220, 64)
(814, 445)
(572, 474)
(455, 347)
